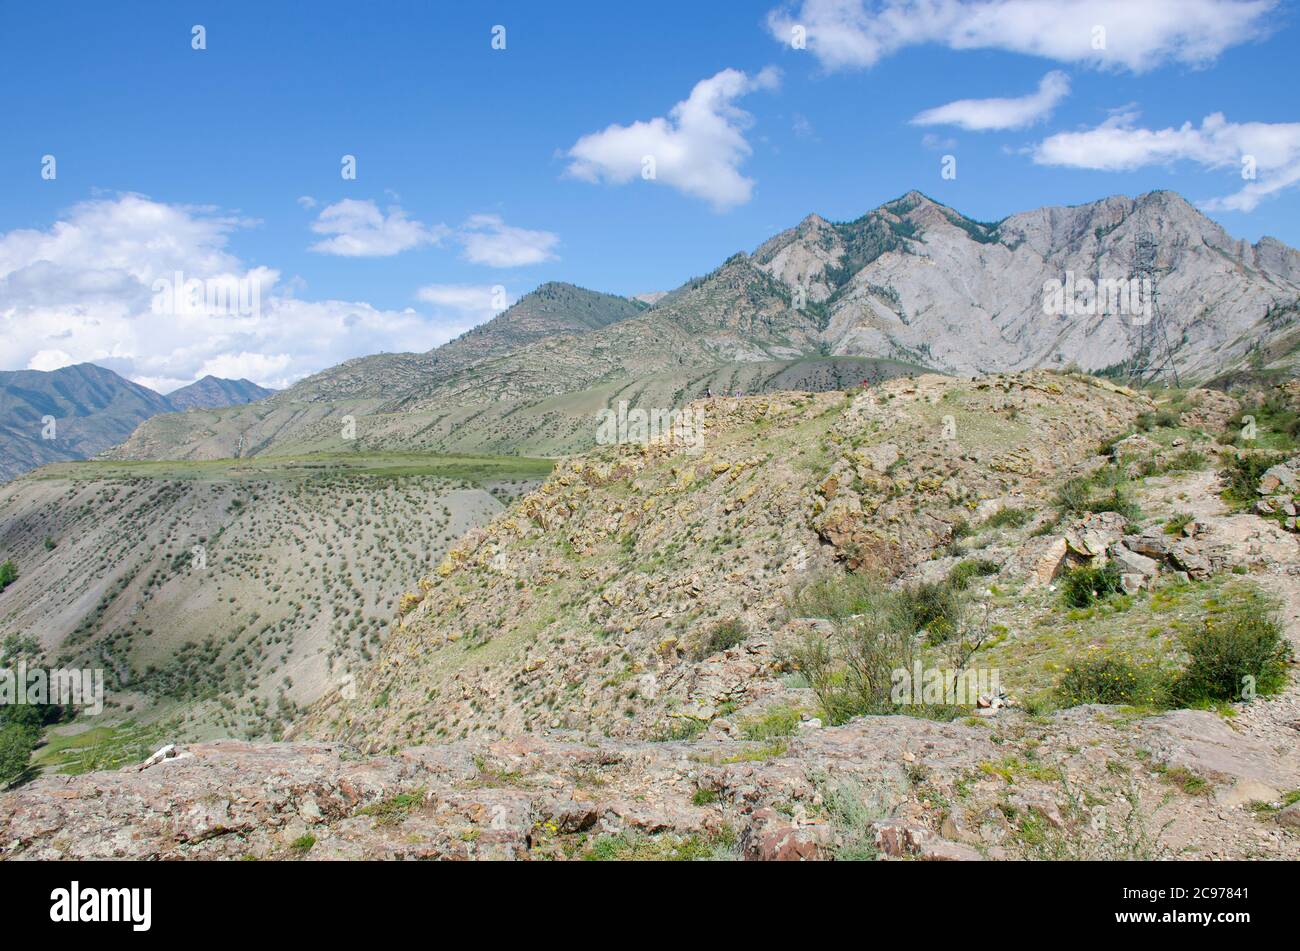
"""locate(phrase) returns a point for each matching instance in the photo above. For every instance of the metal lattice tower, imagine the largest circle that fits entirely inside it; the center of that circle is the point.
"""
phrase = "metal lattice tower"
(1154, 356)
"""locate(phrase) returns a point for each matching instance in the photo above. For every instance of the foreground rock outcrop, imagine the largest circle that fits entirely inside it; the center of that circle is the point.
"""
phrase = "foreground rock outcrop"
(895, 786)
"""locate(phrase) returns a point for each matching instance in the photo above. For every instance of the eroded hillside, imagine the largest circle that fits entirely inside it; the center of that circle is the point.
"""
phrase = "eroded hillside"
(591, 603)
(221, 598)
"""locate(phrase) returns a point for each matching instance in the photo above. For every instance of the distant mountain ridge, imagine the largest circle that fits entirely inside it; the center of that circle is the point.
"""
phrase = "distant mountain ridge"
(92, 408)
(212, 391)
(912, 284)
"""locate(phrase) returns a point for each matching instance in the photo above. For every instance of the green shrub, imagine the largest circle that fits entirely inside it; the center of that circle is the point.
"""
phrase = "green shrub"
(1176, 524)
(852, 671)
(1117, 501)
(1241, 475)
(1164, 418)
(721, 636)
(1189, 460)
(964, 572)
(835, 596)
(1277, 425)
(1008, 518)
(1074, 495)
(17, 740)
(1110, 678)
(1233, 649)
(8, 574)
(933, 607)
(1082, 586)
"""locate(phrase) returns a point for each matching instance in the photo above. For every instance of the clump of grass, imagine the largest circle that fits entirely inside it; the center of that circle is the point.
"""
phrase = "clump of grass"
(1118, 501)
(394, 809)
(776, 722)
(1241, 475)
(759, 754)
(1176, 524)
(1073, 496)
(1189, 460)
(303, 844)
(851, 815)
(964, 572)
(1008, 517)
(666, 847)
(704, 797)
(1276, 425)
(721, 636)
(1158, 419)
(1187, 781)
(682, 728)
(1078, 496)
(1085, 585)
(836, 596)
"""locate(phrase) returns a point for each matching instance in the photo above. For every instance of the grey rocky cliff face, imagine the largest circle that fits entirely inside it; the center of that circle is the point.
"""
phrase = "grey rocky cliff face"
(966, 298)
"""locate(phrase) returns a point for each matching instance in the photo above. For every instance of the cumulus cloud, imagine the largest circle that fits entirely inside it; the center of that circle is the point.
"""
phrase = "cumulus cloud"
(360, 229)
(489, 240)
(697, 148)
(1268, 151)
(1138, 35)
(983, 115)
(100, 285)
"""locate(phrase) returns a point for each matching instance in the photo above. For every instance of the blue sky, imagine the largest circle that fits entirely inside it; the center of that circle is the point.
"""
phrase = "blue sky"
(481, 168)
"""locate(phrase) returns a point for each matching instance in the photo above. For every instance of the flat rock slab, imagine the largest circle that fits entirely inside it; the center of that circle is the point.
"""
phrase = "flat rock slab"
(1205, 744)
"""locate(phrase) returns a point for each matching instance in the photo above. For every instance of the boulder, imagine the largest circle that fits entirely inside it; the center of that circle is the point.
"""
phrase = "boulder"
(1280, 476)
(1245, 791)
(901, 835)
(1153, 543)
(942, 851)
(1045, 559)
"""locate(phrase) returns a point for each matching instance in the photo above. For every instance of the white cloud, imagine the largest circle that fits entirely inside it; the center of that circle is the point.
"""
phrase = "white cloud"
(938, 143)
(983, 115)
(697, 148)
(83, 290)
(360, 229)
(246, 366)
(489, 240)
(50, 360)
(1139, 35)
(307, 202)
(484, 300)
(1118, 144)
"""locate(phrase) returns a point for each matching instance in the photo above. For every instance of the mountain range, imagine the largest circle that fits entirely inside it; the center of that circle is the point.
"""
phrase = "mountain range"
(92, 408)
(913, 284)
